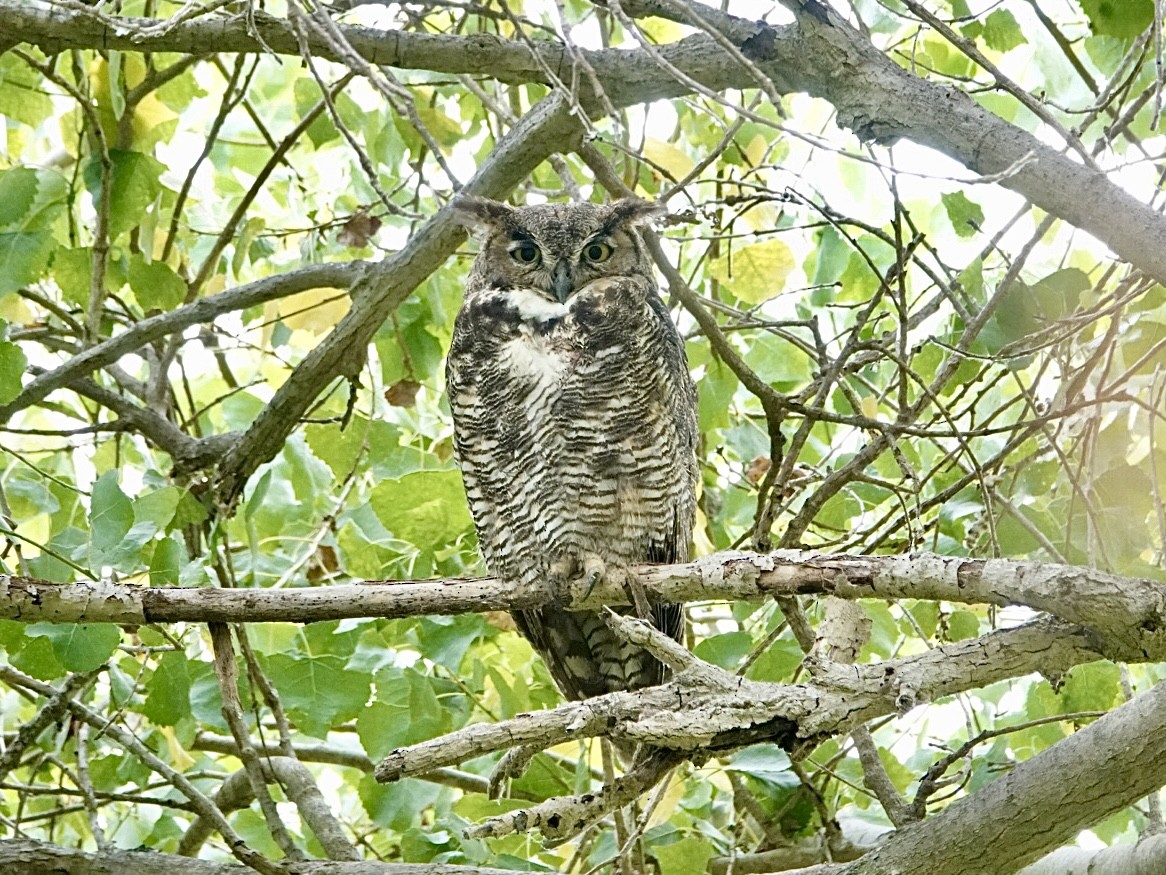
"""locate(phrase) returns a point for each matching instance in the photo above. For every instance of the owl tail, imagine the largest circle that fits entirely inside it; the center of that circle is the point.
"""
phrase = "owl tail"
(585, 657)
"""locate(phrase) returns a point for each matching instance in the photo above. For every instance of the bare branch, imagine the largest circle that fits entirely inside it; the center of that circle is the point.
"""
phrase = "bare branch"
(204, 310)
(1129, 613)
(26, 855)
(876, 98)
(1041, 803)
(712, 711)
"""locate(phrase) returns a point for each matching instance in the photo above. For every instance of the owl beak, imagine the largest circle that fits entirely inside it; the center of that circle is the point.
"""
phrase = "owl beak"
(562, 283)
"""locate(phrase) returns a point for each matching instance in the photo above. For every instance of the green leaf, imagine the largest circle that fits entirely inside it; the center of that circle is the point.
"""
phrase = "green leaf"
(22, 94)
(12, 365)
(689, 856)
(717, 387)
(754, 273)
(17, 192)
(24, 255)
(111, 515)
(38, 659)
(427, 508)
(965, 216)
(832, 256)
(206, 698)
(1059, 293)
(30, 200)
(725, 650)
(961, 625)
(445, 640)
(190, 512)
(169, 697)
(133, 186)
(423, 845)
(445, 130)
(318, 692)
(778, 362)
(362, 556)
(166, 562)
(251, 230)
(1124, 19)
(1092, 687)
(767, 762)
(157, 507)
(73, 272)
(11, 635)
(396, 806)
(406, 711)
(1002, 32)
(155, 284)
(339, 448)
(79, 647)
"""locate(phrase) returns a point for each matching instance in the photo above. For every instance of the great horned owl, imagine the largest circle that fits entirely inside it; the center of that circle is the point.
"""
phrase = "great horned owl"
(574, 420)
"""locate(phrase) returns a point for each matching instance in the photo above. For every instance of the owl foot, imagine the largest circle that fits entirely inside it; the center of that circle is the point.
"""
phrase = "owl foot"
(617, 576)
(574, 578)
(560, 574)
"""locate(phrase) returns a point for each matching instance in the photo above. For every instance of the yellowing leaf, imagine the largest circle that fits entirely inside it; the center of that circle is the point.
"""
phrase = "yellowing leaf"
(755, 151)
(445, 130)
(152, 120)
(870, 407)
(315, 311)
(761, 217)
(661, 30)
(669, 801)
(754, 273)
(703, 546)
(178, 755)
(672, 159)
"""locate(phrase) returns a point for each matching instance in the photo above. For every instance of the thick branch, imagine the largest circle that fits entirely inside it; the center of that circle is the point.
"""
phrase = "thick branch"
(40, 858)
(708, 710)
(1129, 614)
(545, 129)
(821, 55)
(1041, 803)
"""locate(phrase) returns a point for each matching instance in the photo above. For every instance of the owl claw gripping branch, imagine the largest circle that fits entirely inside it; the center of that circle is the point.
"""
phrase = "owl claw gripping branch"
(574, 423)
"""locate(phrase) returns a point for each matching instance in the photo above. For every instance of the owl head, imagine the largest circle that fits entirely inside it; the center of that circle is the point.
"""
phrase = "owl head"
(556, 249)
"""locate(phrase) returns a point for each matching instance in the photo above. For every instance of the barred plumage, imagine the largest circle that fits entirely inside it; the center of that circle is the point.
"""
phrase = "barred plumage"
(574, 419)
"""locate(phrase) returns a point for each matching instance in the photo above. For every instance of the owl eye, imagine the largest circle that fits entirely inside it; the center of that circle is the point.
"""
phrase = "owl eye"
(525, 252)
(597, 252)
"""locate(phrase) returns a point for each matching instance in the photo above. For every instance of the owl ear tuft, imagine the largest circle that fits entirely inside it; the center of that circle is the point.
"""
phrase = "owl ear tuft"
(634, 211)
(480, 213)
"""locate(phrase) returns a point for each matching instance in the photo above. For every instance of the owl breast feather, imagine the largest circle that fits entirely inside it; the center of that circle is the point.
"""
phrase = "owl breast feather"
(574, 426)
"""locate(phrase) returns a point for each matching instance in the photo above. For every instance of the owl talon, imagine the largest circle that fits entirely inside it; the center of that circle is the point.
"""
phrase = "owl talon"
(594, 570)
(559, 577)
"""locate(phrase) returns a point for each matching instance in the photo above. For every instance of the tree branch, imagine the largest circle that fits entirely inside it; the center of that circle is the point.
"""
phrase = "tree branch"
(201, 311)
(707, 711)
(1041, 803)
(821, 55)
(28, 856)
(542, 131)
(1129, 614)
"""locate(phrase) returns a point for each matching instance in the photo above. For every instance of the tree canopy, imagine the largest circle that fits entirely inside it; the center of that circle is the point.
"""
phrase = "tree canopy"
(917, 254)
